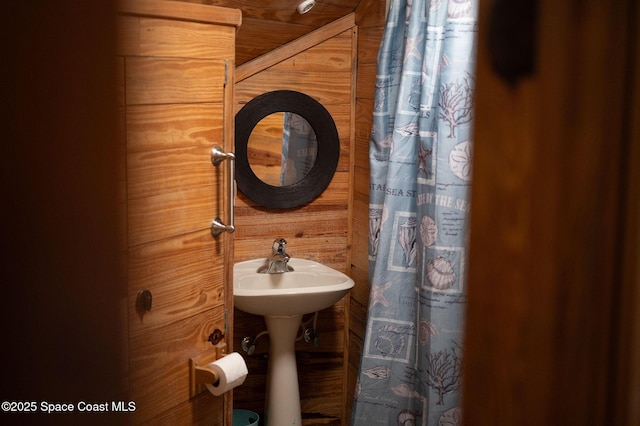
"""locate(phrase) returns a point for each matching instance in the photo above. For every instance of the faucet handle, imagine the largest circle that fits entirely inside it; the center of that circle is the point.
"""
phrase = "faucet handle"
(279, 246)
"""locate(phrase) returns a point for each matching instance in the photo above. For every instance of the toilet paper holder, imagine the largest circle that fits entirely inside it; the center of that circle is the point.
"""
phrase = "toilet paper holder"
(199, 375)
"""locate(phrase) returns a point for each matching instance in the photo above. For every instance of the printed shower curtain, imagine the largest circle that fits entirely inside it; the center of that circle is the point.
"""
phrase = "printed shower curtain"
(420, 155)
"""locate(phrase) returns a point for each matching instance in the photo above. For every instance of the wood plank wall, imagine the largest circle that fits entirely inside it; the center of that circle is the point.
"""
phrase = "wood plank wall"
(317, 231)
(370, 18)
(174, 107)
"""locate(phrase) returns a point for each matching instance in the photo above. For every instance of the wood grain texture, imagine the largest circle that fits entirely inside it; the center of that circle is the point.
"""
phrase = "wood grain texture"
(297, 221)
(139, 36)
(166, 215)
(369, 43)
(166, 127)
(329, 56)
(203, 409)
(181, 273)
(178, 105)
(153, 173)
(366, 80)
(159, 363)
(174, 80)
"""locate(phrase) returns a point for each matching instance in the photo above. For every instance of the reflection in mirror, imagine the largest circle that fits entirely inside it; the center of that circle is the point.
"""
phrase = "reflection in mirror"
(282, 148)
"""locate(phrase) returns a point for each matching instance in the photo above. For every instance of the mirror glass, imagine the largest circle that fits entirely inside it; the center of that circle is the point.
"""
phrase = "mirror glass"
(282, 149)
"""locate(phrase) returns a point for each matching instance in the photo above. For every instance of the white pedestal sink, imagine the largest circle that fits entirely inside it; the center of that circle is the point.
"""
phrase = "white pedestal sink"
(282, 299)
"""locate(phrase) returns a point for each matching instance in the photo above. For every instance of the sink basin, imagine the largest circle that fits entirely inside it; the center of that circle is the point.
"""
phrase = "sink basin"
(282, 299)
(310, 287)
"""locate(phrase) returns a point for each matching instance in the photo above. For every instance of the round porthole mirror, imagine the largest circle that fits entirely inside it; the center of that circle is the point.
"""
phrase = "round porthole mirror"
(287, 149)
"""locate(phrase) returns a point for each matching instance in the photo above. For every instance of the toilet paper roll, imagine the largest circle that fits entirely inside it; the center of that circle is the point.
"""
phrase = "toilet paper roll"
(231, 369)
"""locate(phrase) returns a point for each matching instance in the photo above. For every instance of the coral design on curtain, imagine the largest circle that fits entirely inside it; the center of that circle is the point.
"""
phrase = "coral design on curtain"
(420, 155)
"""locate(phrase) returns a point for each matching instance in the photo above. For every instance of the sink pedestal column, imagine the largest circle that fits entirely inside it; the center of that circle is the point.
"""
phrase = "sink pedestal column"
(283, 393)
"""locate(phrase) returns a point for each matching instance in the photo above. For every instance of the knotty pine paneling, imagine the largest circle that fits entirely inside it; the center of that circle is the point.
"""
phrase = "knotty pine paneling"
(163, 127)
(317, 231)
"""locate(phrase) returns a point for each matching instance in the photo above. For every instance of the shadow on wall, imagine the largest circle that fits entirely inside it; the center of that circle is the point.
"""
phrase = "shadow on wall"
(60, 268)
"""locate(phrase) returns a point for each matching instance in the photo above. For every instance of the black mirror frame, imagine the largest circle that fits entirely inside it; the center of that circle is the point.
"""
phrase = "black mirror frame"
(328, 149)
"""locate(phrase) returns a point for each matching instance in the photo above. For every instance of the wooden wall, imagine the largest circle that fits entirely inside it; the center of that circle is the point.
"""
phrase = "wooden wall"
(370, 18)
(319, 230)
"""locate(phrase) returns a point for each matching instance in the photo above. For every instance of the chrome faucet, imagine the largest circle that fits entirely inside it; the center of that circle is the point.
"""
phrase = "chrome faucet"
(277, 262)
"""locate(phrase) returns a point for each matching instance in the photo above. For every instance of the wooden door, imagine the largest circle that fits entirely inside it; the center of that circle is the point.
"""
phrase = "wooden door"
(176, 64)
(549, 221)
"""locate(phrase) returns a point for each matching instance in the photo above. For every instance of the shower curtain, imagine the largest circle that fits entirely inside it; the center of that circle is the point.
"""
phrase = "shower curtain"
(420, 155)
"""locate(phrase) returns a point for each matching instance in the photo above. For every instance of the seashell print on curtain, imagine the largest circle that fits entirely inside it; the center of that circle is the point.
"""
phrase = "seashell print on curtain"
(421, 159)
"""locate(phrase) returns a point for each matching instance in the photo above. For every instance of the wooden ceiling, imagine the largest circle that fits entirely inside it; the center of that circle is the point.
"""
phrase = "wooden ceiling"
(267, 24)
